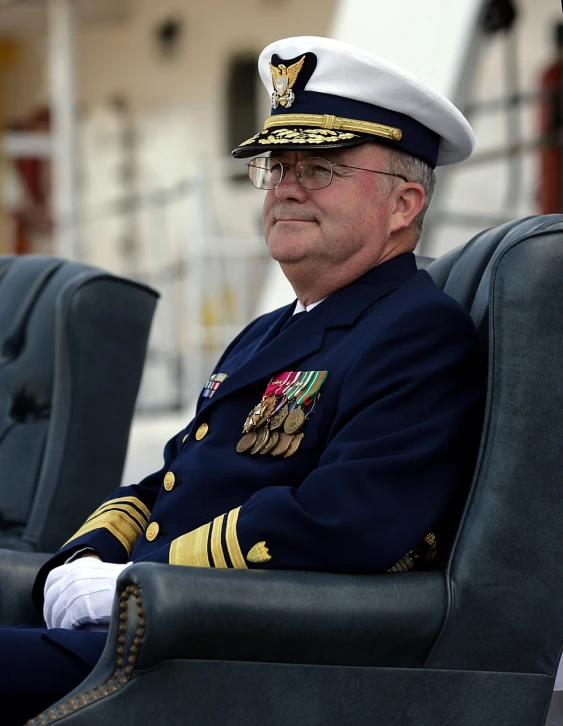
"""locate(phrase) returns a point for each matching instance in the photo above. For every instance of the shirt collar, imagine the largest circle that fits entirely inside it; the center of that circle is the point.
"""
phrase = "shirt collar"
(300, 308)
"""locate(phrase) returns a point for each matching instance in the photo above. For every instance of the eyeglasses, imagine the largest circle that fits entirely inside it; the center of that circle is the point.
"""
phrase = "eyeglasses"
(312, 173)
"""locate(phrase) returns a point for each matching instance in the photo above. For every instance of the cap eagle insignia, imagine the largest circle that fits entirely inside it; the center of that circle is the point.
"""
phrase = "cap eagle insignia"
(283, 79)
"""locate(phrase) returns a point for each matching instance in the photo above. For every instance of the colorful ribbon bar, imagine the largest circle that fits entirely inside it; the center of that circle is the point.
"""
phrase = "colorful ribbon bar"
(213, 384)
(301, 386)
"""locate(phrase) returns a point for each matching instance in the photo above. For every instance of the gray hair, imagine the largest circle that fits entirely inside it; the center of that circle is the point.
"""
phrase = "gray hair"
(415, 170)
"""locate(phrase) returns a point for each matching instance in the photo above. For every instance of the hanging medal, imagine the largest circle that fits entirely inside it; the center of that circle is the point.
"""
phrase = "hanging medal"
(296, 418)
(274, 425)
(301, 396)
(255, 432)
(281, 411)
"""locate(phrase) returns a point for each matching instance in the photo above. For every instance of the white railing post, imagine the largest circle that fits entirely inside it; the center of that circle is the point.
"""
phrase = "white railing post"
(62, 92)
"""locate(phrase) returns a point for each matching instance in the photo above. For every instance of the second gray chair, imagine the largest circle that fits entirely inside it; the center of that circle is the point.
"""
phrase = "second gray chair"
(73, 340)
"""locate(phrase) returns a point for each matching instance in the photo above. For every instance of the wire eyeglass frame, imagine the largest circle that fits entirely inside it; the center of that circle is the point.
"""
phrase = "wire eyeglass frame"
(300, 167)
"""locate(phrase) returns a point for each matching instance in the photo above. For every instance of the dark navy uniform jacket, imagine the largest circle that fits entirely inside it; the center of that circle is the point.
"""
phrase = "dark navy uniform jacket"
(385, 450)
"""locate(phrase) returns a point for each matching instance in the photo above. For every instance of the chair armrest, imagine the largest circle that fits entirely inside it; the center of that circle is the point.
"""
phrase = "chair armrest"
(278, 616)
(17, 575)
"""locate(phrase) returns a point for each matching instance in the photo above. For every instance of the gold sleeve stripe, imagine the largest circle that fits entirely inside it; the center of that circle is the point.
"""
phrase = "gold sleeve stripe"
(134, 514)
(118, 524)
(231, 538)
(124, 500)
(131, 512)
(130, 501)
(191, 549)
(216, 547)
(119, 520)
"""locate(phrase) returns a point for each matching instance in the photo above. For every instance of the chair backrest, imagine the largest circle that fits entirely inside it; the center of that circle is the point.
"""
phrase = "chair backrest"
(72, 346)
(505, 575)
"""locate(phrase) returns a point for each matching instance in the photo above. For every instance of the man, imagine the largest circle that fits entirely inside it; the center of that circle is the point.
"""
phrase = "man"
(333, 433)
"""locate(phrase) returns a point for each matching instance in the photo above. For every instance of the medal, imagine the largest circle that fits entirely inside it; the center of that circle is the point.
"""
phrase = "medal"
(270, 443)
(262, 436)
(247, 442)
(294, 445)
(270, 407)
(253, 418)
(259, 414)
(282, 445)
(294, 422)
(277, 420)
(274, 426)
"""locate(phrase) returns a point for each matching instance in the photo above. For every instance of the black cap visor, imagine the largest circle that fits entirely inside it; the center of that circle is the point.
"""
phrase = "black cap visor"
(298, 139)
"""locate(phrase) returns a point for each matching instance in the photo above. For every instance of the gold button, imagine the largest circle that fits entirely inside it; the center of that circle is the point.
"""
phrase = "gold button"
(169, 481)
(184, 439)
(152, 531)
(201, 432)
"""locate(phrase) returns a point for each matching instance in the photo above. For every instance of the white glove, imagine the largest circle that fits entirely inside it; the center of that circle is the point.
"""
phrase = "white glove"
(80, 593)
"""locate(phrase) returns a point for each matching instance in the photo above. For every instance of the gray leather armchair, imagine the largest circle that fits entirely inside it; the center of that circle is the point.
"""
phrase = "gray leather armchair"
(475, 645)
(73, 340)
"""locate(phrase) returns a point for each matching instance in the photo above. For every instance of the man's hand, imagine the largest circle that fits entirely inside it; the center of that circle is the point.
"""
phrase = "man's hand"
(80, 593)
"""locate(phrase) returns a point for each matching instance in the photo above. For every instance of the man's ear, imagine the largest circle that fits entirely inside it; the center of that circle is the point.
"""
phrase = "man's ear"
(408, 202)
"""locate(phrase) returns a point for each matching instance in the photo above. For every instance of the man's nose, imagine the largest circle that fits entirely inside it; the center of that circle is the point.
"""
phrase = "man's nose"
(289, 187)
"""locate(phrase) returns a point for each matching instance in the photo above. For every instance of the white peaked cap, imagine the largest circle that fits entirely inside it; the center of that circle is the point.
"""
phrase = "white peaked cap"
(329, 94)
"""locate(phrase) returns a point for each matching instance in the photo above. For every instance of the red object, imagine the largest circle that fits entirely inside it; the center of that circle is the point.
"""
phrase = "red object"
(550, 195)
(19, 245)
(33, 217)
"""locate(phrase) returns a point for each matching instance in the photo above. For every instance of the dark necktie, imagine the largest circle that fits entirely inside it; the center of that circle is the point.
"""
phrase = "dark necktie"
(293, 319)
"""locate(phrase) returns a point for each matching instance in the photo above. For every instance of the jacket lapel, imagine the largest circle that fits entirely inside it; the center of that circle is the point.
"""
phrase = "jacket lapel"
(275, 353)
(278, 351)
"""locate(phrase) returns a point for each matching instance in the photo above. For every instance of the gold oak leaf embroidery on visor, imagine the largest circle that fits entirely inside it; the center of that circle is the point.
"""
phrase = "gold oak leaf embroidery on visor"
(299, 136)
(125, 518)
(304, 136)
